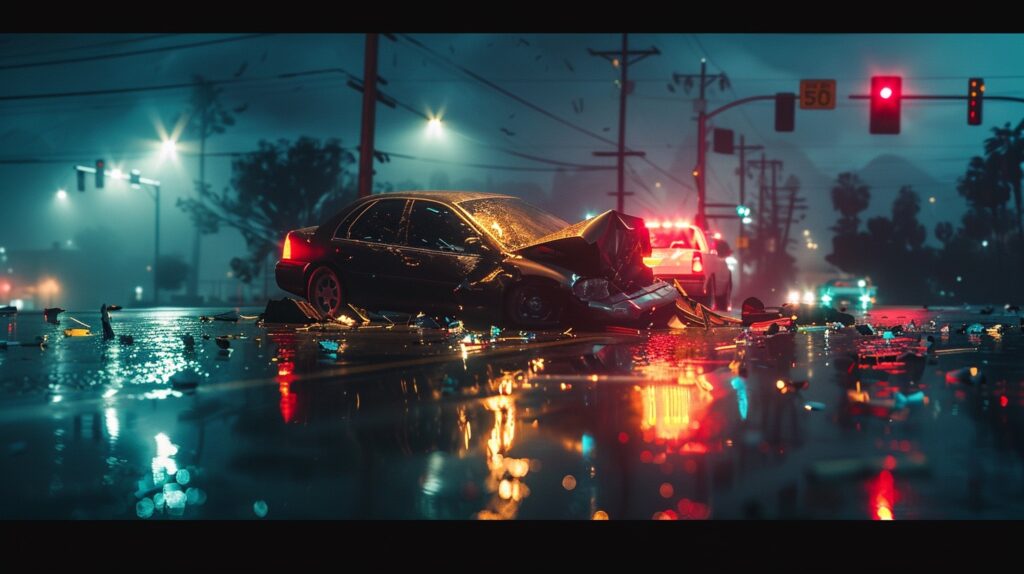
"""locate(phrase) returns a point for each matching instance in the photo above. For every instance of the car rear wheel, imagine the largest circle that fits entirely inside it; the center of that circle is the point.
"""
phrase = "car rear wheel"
(535, 306)
(722, 303)
(324, 292)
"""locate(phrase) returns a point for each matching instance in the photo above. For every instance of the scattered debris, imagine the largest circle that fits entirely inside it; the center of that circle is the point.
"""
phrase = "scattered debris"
(229, 316)
(814, 406)
(975, 329)
(187, 379)
(127, 340)
(50, 315)
(968, 375)
(108, 331)
(223, 342)
(290, 311)
(329, 346)
(77, 332)
(865, 330)
(189, 341)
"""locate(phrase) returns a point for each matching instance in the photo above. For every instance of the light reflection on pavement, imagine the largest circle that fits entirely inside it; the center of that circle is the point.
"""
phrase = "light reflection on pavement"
(402, 425)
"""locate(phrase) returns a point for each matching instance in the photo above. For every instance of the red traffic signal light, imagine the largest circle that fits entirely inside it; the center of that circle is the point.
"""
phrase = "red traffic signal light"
(975, 97)
(886, 95)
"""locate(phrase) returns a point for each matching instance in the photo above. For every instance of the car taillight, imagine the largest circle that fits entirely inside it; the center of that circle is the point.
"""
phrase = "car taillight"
(652, 262)
(286, 252)
(698, 263)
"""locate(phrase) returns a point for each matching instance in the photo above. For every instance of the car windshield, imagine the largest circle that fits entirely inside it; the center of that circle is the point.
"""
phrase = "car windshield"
(672, 238)
(511, 221)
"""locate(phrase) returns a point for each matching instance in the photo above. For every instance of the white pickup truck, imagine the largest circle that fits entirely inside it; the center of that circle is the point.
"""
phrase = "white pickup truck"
(684, 252)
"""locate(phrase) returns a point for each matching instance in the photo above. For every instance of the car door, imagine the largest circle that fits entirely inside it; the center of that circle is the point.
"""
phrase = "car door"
(366, 252)
(436, 256)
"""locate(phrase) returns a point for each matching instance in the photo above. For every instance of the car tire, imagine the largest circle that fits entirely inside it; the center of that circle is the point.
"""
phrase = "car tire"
(722, 303)
(535, 305)
(325, 293)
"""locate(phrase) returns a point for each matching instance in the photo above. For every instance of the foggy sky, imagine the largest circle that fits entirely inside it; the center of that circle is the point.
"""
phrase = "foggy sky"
(935, 142)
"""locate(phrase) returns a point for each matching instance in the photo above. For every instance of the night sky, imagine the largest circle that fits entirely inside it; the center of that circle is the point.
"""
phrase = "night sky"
(551, 71)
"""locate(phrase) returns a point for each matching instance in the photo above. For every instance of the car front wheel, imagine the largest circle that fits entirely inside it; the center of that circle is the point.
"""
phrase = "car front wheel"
(324, 292)
(535, 306)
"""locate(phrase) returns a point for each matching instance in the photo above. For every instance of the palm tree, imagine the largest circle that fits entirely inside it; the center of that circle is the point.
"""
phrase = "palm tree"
(1006, 148)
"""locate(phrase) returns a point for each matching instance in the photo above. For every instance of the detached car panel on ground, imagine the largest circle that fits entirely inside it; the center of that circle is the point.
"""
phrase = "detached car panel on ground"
(478, 256)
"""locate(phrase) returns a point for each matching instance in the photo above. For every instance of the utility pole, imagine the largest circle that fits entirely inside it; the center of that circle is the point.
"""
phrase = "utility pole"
(366, 148)
(700, 106)
(743, 147)
(621, 59)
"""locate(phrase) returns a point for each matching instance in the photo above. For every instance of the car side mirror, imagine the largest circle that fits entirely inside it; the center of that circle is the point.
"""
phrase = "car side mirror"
(475, 244)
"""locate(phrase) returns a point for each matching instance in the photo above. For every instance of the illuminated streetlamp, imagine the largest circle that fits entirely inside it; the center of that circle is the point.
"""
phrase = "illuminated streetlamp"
(434, 127)
(62, 195)
(169, 149)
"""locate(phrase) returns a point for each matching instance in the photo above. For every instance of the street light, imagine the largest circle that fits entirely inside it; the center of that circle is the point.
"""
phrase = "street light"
(169, 149)
(62, 195)
(434, 127)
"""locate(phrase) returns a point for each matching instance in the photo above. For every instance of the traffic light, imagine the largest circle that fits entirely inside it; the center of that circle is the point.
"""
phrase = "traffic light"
(975, 96)
(81, 179)
(742, 211)
(723, 141)
(785, 112)
(135, 178)
(886, 94)
(100, 172)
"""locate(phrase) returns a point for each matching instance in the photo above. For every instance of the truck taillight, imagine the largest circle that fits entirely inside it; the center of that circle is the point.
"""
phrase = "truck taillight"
(698, 263)
(286, 252)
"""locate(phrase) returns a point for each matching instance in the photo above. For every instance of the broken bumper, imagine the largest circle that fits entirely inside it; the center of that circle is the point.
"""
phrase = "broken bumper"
(291, 276)
(693, 283)
(631, 306)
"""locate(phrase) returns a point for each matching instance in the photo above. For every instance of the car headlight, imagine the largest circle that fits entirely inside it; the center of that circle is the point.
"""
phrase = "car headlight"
(590, 289)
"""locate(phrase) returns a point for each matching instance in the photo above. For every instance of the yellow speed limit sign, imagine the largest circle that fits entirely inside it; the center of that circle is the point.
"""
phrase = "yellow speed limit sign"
(817, 94)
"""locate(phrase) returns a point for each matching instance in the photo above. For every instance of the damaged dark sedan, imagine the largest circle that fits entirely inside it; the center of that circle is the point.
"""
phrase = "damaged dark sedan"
(481, 257)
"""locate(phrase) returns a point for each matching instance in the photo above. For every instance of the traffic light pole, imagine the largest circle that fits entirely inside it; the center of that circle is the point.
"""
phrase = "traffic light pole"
(137, 179)
(702, 119)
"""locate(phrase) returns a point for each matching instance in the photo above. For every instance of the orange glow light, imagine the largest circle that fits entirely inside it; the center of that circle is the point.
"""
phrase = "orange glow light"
(286, 253)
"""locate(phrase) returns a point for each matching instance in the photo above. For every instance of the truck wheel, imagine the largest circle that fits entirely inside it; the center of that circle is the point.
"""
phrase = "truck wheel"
(324, 292)
(722, 303)
(708, 300)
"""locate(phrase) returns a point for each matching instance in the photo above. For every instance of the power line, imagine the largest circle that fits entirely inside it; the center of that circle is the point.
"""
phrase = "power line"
(88, 46)
(128, 54)
(527, 103)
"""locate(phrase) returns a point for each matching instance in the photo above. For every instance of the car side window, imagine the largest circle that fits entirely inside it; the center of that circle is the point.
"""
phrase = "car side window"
(342, 231)
(380, 223)
(434, 226)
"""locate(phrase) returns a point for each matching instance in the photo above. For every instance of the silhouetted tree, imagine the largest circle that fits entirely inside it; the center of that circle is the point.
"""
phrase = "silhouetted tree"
(850, 196)
(275, 189)
(171, 272)
(1005, 149)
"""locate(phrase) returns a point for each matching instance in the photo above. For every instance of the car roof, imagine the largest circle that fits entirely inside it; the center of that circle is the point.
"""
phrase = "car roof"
(454, 197)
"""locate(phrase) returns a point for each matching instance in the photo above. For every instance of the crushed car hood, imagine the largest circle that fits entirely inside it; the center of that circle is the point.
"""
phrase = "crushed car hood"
(611, 245)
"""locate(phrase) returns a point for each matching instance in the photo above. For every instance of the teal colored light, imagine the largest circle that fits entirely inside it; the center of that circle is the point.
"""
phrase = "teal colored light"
(741, 396)
(588, 444)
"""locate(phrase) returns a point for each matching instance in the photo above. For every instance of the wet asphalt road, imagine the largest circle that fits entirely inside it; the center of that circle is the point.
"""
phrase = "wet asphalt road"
(409, 424)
